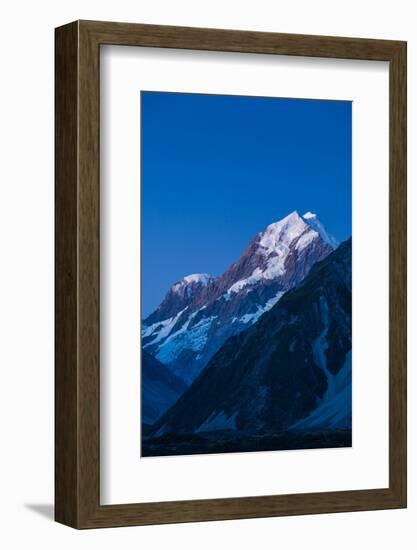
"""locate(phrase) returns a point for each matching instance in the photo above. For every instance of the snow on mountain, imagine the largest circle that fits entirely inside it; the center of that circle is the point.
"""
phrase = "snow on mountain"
(290, 370)
(201, 279)
(200, 312)
(335, 408)
(191, 338)
(178, 298)
(274, 246)
(162, 329)
(251, 318)
(279, 235)
(316, 224)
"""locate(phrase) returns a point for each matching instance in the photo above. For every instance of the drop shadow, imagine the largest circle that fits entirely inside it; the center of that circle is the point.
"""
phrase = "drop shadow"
(45, 510)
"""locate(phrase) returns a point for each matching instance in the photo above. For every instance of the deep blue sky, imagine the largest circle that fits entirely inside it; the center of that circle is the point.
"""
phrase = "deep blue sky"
(216, 170)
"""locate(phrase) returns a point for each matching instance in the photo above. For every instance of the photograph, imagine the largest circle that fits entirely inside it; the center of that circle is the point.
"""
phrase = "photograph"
(246, 273)
(208, 273)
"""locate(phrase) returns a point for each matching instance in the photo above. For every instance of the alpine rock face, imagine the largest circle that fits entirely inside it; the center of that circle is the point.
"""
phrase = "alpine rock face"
(200, 312)
(290, 371)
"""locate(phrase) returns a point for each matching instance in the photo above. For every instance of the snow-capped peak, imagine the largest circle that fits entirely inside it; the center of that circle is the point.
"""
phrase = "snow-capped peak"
(316, 225)
(309, 215)
(275, 244)
(283, 231)
(201, 279)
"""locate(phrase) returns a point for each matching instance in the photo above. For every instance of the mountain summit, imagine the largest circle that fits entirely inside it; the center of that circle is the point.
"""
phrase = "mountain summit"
(179, 297)
(315, 224)
(200, 312)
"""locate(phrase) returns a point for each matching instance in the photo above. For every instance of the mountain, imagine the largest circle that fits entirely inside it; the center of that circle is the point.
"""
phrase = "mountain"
(160, 388)
(179, 297)
(289, 371)
(316, 224)
(200, 312)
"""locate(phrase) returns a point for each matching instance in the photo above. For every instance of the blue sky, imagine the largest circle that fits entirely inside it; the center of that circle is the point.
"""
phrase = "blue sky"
(216, 170)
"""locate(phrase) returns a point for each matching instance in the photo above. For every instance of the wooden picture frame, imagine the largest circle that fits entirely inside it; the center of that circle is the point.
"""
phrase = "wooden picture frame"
(77, 382)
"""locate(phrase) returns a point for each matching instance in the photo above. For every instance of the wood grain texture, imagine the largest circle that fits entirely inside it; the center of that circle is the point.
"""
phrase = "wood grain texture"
(398, 274)
(66, 231)
(78, 284)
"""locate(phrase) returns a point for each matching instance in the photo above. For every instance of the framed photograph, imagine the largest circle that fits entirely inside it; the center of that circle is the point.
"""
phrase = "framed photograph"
(230, 274)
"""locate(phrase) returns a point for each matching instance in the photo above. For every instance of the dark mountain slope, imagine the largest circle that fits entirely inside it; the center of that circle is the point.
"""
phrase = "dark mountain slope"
(160, 388)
